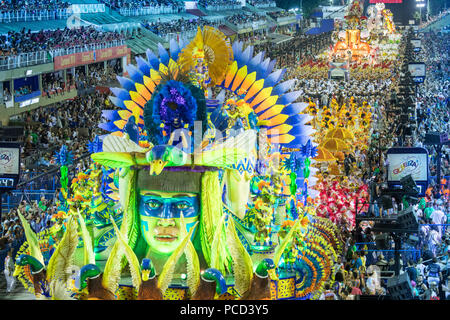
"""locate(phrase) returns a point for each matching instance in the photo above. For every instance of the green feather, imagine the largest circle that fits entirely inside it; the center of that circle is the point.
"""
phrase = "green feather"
(114, 159)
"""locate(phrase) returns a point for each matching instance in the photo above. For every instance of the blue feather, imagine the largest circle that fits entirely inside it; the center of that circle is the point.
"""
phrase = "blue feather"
(135, 74)
(283, 87)
(109, 126)
(163, 54)
(120, 93)
(126, 83)
(132, 129)
(152, 59)
(117, 102)
(288, 97)
(143, 66)
(273, 78)
(174, 49)
(110, 115)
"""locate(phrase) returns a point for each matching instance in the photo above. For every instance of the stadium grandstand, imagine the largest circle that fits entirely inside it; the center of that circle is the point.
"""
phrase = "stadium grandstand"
(62, 40)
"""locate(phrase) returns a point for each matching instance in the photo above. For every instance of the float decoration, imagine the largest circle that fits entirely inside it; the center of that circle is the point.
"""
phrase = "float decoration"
(182, 160)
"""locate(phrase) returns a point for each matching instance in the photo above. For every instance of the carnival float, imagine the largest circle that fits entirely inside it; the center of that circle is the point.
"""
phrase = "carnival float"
(200, 189)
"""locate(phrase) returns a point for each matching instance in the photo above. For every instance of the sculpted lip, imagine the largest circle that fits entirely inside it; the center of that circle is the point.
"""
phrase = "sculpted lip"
(165, 238)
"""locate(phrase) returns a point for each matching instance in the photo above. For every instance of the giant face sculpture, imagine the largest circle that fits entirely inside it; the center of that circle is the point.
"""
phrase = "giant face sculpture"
(161, 200)
(159, 215)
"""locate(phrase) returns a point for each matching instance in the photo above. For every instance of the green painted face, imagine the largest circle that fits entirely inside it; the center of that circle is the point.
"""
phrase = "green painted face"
(159, 214)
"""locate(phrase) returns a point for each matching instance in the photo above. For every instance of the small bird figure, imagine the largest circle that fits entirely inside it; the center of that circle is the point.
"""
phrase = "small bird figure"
(149, 287)
(132, 129)
(91, 276)
(38, 272)
(260, 287)
(211, 282)
(162, 155)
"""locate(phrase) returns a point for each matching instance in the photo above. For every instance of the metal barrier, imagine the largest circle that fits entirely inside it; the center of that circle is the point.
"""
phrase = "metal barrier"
(223, 7)
(15, 197)
(144, 11)
(407, 252)
(25, 60)
(33, 15)
(47, 182)
(268, 4)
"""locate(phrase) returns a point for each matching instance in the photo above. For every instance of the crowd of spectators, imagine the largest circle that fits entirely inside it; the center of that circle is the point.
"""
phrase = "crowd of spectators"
(244, 19)
(13, 43)
(33, 5)
(24, 90)
(280, 14)
(12, 235)
(433, 103)
(262, 3)
(177, 26)
(155, 6)
(218, 5)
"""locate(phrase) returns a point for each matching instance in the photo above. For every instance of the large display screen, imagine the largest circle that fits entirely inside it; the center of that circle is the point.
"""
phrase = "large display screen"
(401, 165)
(417, 69)
(9, 161)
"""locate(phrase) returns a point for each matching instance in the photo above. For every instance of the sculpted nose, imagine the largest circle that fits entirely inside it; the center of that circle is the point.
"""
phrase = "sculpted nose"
(166, 212)
(166, 222)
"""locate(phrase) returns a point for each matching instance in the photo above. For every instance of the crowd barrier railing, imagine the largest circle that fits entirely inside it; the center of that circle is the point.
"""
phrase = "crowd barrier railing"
(223, 7)
(15, 197)
(286, 18)
(270, 4)
(144, 11)
(24, 60)
(33, 15)
(41, 57)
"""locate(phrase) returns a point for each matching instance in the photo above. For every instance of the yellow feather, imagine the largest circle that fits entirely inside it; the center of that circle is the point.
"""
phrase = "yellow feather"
(242, 262)
(89, 257)
(230, 74)
(217, 245)
(193, 263)
(62, 259)
(240, 76)
(165, 278)
(135, 269)
(113, 268)
(32, 239)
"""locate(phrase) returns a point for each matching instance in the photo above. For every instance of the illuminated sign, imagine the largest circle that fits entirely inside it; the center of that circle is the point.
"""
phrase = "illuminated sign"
(408, 161)
(9, 161)
(9, 165)
(386, 1)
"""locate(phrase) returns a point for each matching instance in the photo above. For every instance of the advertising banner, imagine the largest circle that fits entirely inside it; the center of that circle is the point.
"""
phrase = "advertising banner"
(82, 58)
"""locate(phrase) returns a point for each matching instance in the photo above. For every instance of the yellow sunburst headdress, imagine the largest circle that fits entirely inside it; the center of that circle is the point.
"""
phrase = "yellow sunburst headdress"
(211, 45)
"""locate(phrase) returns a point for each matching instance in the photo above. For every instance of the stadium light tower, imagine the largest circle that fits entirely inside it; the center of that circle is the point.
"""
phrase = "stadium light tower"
(420, 4)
